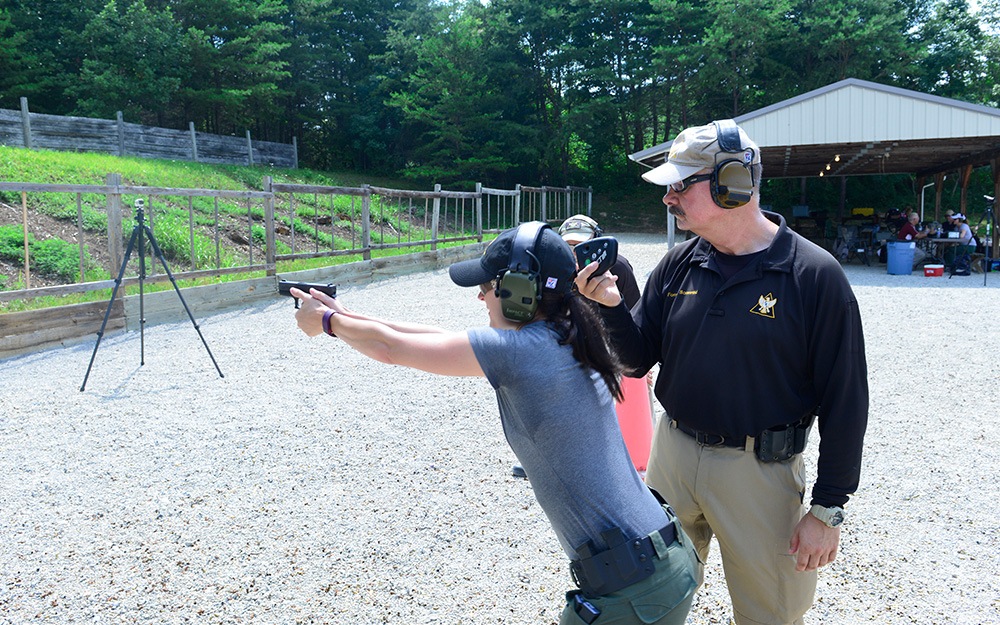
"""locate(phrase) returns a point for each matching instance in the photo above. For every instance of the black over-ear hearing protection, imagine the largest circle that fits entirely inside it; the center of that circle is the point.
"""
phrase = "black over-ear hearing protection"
(732, 180)
(518, 285)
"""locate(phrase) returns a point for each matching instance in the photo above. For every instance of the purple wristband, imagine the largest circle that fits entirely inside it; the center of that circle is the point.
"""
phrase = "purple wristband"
(326, 322)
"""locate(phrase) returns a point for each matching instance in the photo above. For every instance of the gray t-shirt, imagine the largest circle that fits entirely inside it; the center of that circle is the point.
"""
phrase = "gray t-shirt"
(560, 420)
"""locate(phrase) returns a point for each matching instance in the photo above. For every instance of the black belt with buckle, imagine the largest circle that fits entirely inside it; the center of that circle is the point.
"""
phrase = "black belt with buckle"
(777, 444)
(712, 440)
(622, 565)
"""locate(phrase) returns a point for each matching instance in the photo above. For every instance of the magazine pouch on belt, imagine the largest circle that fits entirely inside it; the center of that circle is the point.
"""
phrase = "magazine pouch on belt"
(781, 443)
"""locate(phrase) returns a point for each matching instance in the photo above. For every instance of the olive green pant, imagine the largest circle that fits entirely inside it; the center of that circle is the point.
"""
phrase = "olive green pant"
(752, 508)
(663, 598)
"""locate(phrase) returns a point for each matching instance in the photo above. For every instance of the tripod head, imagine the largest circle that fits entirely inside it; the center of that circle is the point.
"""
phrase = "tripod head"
(140, 206)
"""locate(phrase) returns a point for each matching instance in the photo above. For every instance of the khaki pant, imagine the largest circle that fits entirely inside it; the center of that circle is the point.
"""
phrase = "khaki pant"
(751, 507)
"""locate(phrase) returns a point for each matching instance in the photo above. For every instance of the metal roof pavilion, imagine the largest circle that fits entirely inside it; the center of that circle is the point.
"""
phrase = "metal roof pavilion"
(863, 128)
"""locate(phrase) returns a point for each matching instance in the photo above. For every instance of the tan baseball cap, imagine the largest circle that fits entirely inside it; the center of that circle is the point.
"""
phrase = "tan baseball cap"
(579, 227)
(695, 149)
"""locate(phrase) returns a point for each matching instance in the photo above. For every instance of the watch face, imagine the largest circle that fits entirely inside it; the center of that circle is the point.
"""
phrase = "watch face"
(831, 517)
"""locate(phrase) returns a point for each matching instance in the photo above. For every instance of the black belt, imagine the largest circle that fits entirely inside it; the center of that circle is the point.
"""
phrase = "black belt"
(712, 440)
(620, 566)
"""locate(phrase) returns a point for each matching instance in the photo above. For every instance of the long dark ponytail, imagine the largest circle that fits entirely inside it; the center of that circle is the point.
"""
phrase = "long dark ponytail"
(580, 325)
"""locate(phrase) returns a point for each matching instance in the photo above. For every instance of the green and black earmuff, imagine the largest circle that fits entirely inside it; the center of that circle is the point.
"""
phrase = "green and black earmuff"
(518, 286)
(732, 180)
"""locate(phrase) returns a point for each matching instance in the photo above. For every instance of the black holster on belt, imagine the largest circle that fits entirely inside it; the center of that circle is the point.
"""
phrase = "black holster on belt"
(781, 443)
(622, 564)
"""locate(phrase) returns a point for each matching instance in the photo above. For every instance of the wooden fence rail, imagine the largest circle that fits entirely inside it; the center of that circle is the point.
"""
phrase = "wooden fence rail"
(283, 222)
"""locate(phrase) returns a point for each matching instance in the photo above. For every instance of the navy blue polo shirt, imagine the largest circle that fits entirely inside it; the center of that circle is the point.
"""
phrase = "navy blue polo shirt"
(777, 340)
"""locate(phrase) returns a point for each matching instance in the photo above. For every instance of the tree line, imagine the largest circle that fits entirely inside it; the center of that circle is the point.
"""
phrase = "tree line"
(495, 91)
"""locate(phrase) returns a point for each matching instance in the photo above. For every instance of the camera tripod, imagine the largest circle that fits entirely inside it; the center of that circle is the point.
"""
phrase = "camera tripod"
(139, 233)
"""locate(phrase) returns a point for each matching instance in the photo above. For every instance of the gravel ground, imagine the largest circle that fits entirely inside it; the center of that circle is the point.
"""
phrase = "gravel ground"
(310, 485)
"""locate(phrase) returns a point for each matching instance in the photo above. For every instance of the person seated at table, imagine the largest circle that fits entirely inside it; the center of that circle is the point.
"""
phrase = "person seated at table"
(948, 225)
(966, 243)
(896, 219)
(908, 232)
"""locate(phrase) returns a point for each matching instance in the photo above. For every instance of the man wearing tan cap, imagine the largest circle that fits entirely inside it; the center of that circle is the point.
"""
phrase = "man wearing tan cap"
(757, 333)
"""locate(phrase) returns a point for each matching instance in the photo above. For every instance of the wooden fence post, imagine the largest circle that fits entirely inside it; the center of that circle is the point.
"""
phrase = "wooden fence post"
(295, 153)
(590, 200)
(517, 205)
(479, 210)
(194, 142)
(270, 252)
(249, 150)
(25, 123)
(115, 232)
(121, 134)
(435, 217)
(366, 222)
(545, 194)
(27, 255)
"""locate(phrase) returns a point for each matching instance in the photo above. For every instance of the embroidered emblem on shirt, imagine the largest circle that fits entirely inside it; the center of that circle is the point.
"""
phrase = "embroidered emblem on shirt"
(765, 306)
(550, 283)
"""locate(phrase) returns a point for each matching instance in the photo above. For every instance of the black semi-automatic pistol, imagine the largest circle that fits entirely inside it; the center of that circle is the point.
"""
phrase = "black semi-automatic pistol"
(285, 288)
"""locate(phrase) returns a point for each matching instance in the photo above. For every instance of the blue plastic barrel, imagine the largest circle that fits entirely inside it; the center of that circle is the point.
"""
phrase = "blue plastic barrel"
(900, 257)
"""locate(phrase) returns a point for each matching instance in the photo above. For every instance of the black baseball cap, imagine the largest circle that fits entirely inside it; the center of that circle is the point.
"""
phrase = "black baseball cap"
(553, 260)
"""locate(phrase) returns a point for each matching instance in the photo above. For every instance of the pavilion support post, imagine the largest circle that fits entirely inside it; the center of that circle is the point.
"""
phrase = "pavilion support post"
(842, 208)
(966, 174)
(995, 245)
(938, 184)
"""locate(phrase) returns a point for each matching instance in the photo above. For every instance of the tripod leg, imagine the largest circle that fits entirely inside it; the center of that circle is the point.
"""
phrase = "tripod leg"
(111, 302)
(163, 261)
(142, 312)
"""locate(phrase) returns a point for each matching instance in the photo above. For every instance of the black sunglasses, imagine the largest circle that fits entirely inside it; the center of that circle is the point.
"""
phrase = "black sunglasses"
(682, 186)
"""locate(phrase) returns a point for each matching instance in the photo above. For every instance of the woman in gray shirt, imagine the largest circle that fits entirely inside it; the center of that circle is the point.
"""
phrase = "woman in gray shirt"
(546, 354)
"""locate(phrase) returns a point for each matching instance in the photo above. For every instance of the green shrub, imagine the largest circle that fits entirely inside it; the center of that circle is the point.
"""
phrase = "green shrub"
(258, 234)
(55, 257)
(12, 243)
(174, 238)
